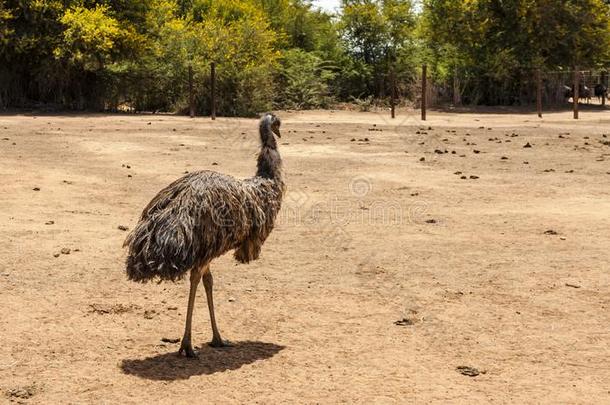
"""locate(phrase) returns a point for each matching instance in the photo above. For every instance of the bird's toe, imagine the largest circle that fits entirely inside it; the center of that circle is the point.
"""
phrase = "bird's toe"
(219, 343)
(188, 352)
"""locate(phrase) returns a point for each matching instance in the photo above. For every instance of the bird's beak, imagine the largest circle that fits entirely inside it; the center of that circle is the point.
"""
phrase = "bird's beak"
(277, 132)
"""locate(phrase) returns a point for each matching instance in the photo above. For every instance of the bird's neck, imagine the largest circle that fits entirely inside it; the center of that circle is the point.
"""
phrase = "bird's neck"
(269, 162)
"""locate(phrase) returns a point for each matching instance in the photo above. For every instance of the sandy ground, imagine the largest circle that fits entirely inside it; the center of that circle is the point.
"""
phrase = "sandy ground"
(508, 273)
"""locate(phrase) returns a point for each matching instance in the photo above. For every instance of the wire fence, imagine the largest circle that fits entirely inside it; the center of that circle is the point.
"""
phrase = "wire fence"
(556, 89)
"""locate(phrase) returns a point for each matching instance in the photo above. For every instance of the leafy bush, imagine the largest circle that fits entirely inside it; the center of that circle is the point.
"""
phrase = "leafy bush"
(304, 81)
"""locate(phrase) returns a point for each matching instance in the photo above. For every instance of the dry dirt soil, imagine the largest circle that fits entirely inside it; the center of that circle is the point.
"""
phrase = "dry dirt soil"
(404, 251)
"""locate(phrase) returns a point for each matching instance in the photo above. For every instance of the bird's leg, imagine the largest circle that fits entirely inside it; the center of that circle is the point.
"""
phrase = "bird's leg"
(208, 283)
(186, 347)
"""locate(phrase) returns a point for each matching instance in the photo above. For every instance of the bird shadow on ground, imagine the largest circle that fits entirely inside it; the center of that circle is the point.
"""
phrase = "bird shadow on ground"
(171, 366)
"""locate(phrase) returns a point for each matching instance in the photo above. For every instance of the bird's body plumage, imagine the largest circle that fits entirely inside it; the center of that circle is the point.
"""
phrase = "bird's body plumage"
(199, 217)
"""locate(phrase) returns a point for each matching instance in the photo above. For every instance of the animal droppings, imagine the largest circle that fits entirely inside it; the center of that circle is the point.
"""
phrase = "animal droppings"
(572, 285)
(404, 322)
(103, 309)
(469, 371)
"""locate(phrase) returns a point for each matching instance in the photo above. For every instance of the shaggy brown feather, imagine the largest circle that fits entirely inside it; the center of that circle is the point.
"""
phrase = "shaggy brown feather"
(205, 214)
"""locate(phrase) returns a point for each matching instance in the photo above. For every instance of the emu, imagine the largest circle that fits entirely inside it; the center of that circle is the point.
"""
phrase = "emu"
(601, 91)
(203, 215)
(583, 92)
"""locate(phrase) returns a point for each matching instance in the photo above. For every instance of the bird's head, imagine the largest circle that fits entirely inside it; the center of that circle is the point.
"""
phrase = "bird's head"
(269, 125)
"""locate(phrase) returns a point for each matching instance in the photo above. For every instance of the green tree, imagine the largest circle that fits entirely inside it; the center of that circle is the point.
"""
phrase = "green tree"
(379, 35)
(493, 42)
(233, 34)
(90, 37)
(304, 81)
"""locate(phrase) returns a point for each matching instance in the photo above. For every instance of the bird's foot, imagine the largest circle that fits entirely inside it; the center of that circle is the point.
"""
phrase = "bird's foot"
(187, 350)
(219, 343)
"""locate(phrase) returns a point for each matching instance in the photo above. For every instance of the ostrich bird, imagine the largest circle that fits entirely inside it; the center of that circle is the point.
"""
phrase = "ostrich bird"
(601, 92)
(584, 92)
(200, 217)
